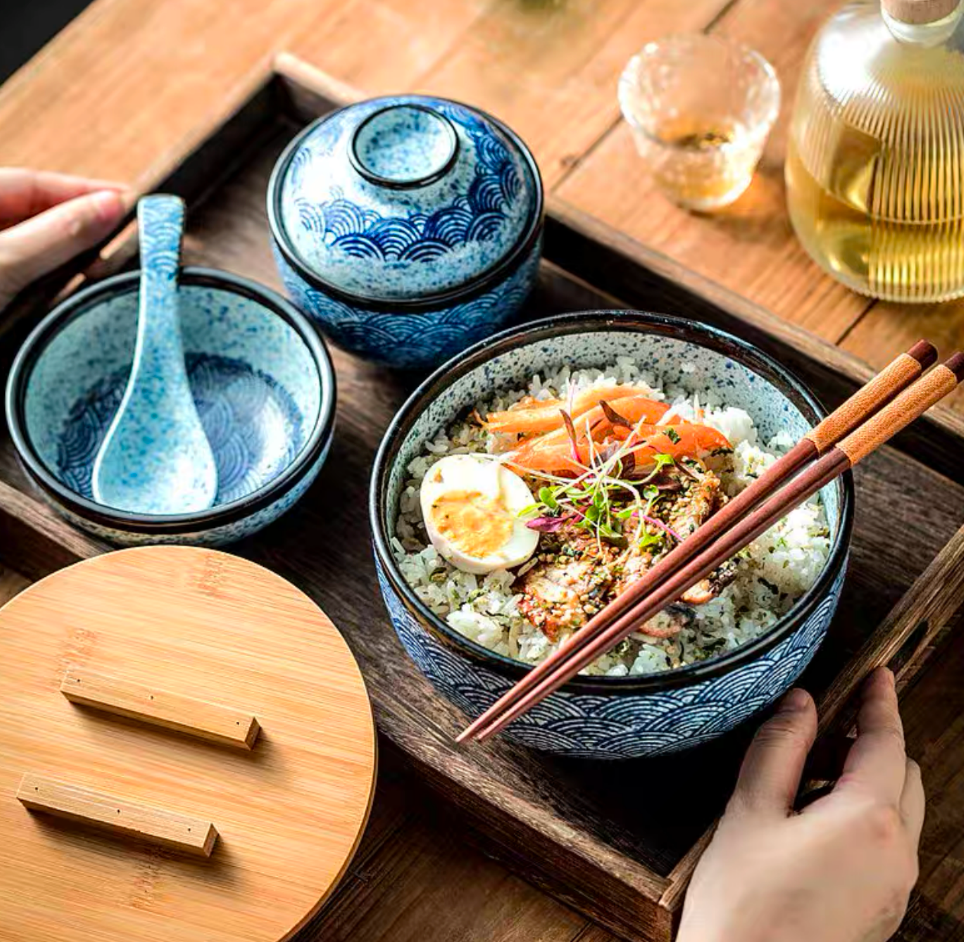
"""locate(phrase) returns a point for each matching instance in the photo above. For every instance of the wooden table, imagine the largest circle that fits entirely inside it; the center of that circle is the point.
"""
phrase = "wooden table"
(132, 80)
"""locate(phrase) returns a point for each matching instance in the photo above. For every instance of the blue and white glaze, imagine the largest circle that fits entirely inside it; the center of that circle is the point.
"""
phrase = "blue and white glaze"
(405, 197)
(401, 208)
(155, 457)
(254, 427)
(203, 535)
(606, 718)
(418, 340)
(627, 726)
(261, 382)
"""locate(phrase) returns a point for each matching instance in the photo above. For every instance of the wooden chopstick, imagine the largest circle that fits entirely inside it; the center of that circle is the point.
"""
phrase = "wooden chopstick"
(853, 448)
(870, 398)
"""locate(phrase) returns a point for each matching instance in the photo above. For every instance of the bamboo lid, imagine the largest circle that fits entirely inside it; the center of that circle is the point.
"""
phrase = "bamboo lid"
(917, 12)
(187, 752)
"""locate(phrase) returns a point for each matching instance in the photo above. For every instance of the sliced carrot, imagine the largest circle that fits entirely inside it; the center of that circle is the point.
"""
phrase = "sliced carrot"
(543, 416)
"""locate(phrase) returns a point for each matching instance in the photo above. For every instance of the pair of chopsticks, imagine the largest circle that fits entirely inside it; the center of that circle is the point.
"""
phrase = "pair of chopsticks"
(893, 399)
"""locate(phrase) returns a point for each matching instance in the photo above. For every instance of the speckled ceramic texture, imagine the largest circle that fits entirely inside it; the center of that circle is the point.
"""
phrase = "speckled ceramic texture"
(155, 457)
(609, 717)
(405, 197)
(262, 384)
(414, 340)
(404, 206)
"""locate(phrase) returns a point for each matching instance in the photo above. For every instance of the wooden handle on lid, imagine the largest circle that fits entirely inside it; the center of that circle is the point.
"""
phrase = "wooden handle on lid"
(179, 832)
(909, 405)
(894, 377)
(209, 721)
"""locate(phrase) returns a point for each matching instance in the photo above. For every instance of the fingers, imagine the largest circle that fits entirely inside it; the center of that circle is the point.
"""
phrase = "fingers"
(771, 771)
(25, 193)
(912, 801)
(877, 762)
(44, 242)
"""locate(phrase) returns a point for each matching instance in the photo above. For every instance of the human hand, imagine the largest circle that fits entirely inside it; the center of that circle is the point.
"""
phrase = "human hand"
(48, 218)
(839, 871)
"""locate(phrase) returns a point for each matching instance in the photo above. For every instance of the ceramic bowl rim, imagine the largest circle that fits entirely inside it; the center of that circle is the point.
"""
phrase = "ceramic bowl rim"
(391, 183)
(220, 515)
(605, 321)
(477, 285)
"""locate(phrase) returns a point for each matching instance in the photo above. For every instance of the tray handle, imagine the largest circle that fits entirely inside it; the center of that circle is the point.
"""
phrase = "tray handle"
(904, 640)
(168, 829)
(906, 637)
(199, 718)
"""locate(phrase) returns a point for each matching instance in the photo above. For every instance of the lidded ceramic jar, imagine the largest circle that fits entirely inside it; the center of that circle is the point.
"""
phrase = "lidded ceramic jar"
(407, 227)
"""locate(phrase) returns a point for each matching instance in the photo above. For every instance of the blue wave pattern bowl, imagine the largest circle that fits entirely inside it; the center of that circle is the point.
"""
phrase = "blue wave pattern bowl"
(611, 717)
(262, 383)
(407, 227)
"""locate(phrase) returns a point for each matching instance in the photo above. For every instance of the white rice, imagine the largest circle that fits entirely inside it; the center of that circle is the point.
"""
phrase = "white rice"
(773, 572)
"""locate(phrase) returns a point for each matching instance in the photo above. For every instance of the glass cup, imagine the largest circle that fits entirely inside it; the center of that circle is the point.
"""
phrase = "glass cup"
(700, 107)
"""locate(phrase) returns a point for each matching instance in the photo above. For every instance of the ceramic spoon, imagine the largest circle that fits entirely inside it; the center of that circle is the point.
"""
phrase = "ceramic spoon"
(155, 458)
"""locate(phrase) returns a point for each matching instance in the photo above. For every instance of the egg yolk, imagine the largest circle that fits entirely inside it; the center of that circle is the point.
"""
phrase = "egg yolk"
(472, 522)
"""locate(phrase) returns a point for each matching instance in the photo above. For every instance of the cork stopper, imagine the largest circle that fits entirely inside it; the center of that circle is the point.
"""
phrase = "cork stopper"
(919, 12)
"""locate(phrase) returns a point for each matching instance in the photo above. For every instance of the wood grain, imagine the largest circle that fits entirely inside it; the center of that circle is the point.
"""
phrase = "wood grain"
(550, 69)
(412, 860)
(650, 280)
(927, 609)
(886, 326)
(583, 836)
(150, 704)
(172, 830)
(868, 399)
(932, 709)
(749, 247)
(910, 405)
(289, 812)
(562, 825)
(903, 641)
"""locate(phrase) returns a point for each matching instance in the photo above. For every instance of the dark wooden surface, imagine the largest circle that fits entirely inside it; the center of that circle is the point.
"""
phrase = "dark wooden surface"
(589, 832)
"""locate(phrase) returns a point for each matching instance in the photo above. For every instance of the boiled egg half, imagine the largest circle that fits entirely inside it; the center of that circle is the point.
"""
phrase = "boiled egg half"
(471, 510)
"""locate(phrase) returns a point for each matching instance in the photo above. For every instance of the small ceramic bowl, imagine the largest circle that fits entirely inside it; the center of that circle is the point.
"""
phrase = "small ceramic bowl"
(611, 717)
(407, 227)
(262, 382)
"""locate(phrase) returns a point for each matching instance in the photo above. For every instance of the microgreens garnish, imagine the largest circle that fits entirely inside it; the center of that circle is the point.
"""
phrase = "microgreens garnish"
(596, 499)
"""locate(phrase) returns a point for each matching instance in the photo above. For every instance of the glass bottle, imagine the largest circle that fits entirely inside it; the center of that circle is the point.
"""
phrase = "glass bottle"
(875, 161)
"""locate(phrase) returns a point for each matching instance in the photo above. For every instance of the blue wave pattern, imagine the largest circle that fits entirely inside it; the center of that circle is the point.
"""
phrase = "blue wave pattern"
(215, 536)
(626, 726)
(251, 422)
(161, 225)
(414, 341)
(477, 216)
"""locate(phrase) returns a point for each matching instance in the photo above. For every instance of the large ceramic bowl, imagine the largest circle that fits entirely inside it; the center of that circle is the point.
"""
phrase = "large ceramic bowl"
(407, 227)
(261, 379)
(611, 717)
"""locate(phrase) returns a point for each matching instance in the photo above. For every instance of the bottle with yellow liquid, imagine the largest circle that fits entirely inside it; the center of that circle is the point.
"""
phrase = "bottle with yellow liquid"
(875, 162)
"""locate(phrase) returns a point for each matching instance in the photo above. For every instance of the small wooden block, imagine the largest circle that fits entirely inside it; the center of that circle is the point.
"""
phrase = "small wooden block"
(166, 828)
(161, 708)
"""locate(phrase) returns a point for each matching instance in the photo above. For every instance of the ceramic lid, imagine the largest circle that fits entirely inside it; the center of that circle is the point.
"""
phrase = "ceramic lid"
(404, 198)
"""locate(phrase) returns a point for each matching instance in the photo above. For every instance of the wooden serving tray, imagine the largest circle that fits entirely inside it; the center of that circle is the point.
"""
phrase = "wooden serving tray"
(615, 840)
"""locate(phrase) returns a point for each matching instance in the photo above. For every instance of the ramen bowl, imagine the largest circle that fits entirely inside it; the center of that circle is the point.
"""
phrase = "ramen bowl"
(607, 716)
